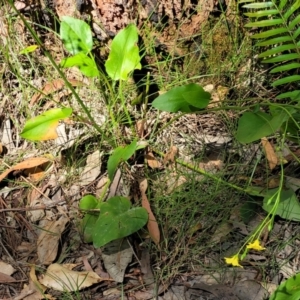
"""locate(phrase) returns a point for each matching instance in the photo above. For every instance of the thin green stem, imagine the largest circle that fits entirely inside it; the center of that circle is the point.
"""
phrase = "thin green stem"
(203, 172)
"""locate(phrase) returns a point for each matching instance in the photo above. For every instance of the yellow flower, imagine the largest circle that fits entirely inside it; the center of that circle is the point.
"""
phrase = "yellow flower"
(234, 260)
(255, 245)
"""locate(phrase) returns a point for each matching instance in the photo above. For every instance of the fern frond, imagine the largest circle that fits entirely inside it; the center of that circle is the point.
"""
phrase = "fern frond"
(279, 25)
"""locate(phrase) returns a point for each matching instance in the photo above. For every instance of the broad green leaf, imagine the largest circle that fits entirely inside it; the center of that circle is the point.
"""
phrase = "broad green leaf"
(288, 290)
(124, 55)
(88, 202)
(43, 127)
(288, 208)
(76, 35)
(117, 220)
(254, 125)
(120, 154)
(87, 226)
(187, 98)
(29, 49)
(84, 63)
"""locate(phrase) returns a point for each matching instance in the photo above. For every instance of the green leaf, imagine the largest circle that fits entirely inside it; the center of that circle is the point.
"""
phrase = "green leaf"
(88, 202)
(294, 95)
(277, 50)
(120, 154)
(259, 5)
(254, 125)
(262, 13)
(87, 226)
(281, 58)
(43, 127)
(85, 64)
(187, 98)
(288, 208)
(269, 33)
(29, 49)
(274, 41)
(288, 290)
(117, 220)
(264, 23)
(124, 55)
(76, 35)
(286, 67)
(286, 80)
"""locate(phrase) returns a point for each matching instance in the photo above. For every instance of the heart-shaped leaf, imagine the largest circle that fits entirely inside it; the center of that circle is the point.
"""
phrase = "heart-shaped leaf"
(87, 225)
(120, 154)
(76, 35)
(253, 126)
(43, 127)
(187, 98)
(84, 63)
(288, 290)
(117, 220)
(124, 55)
(288, 208)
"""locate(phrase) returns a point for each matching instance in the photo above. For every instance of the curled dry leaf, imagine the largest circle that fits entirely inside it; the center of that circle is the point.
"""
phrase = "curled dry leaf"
(152, 223)
(270, 153)
(170, 155)
(62, 278)
(52, 87)
(30, 163)
(151, 161)
(33, 291)
(48, 240)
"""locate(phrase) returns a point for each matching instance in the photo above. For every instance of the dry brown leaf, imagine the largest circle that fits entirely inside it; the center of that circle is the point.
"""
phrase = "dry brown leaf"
(270, 153)
(35, 174)
(33, 291)
(151, 161)
(152, 223)
(61, 278)
(52, 87)
(6, 268)
(170, 155)
(92, 169)
(48, 240)
(140, 127)
(29, 163)
(4, 278)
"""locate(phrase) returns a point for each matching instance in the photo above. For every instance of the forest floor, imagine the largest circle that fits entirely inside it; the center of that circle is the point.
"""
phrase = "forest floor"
(193, 172)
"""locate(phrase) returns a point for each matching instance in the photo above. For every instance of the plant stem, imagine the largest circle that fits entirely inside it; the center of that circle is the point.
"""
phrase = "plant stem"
(203, 172)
